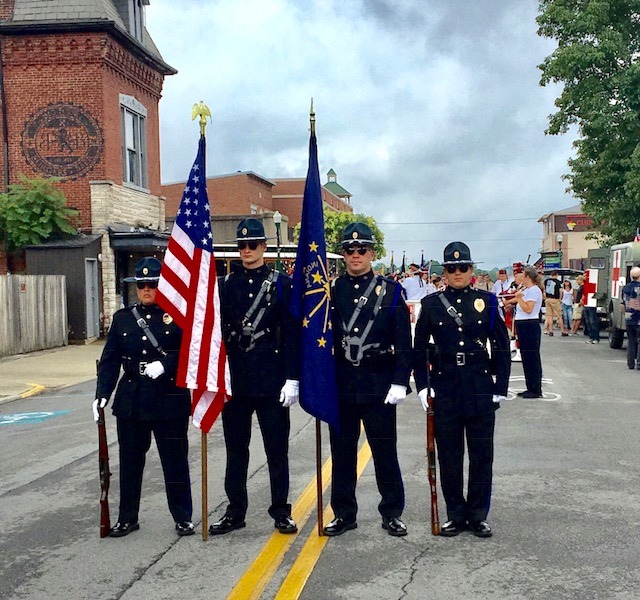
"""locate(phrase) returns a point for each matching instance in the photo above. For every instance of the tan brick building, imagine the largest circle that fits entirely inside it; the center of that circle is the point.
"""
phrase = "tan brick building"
(80, 83)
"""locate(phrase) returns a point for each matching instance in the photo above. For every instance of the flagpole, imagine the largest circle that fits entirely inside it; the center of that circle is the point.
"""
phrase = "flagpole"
(319, 486)
(202, 110)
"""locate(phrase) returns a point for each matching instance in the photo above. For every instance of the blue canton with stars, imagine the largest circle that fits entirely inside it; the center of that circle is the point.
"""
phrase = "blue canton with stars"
(194, 215)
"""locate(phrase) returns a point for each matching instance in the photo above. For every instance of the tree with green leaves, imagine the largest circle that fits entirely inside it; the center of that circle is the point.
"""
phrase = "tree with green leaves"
(334, 224)
(597, 61)
(32, 211)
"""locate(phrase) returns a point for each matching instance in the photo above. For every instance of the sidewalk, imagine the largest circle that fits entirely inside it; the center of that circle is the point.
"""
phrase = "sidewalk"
(24, 375)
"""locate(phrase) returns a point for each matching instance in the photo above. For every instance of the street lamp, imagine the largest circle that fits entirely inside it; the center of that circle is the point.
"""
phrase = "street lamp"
(277, 220)
(559, 240)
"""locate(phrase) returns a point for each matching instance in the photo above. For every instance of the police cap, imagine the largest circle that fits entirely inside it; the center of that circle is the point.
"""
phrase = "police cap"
(147, 269)
(357, 233)
(250, 229)
(457, 253)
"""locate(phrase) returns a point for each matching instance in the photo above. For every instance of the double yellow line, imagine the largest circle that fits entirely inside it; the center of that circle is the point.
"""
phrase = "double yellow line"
(256, 578)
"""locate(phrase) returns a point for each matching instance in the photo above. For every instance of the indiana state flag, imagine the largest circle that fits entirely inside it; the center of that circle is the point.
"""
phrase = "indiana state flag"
(310, 303)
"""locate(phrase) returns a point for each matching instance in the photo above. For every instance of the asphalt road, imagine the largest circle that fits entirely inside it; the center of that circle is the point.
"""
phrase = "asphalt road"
(564, 512)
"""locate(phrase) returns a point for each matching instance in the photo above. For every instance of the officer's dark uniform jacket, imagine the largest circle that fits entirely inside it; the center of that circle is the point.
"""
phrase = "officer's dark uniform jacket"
(139, 397)
(462, 370)
(388, 360)
(262, 370)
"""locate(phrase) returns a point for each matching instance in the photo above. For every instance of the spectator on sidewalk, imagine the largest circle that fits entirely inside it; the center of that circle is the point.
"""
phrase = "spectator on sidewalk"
(631, 303)
(577, 304)
(552, 290)
(567, 307)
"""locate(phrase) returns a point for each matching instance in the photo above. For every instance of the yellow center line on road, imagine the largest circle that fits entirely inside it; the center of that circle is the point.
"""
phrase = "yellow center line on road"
(257, 576)
(304, 564)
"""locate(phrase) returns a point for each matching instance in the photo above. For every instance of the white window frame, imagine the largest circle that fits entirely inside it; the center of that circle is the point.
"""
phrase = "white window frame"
(136, 18)
(134, 142)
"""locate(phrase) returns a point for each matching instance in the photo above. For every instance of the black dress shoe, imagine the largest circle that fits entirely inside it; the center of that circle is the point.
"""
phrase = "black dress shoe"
(481, 529)
(338, 526)
(185, 528)
(122, 529)
(225, 525)
(452, 528)
(394, 526)
(285, 524)
(529, 394)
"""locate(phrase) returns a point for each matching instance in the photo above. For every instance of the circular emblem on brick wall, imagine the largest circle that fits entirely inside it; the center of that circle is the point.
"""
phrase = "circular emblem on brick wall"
(62, 140)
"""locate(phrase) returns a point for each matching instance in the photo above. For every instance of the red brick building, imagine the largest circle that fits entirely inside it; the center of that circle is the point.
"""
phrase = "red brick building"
(247, 193)
(80, 83)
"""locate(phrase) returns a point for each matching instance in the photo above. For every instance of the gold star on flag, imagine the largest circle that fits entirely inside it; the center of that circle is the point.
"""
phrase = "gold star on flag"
(305, 322)
(313, 247)
(317, 278)
(322, 343)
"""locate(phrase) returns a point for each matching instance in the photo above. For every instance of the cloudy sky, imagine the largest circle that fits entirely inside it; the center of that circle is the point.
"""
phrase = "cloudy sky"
(429, 111)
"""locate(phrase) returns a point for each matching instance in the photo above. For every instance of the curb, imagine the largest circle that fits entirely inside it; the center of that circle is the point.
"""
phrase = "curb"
(34, 390)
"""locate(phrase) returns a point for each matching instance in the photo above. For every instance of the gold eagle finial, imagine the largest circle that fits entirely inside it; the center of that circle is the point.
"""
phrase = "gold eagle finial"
(203, 111)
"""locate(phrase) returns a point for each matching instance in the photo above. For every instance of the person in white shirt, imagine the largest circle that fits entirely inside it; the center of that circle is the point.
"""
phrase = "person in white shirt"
(528, 305)
(413, 284)
(503, 282)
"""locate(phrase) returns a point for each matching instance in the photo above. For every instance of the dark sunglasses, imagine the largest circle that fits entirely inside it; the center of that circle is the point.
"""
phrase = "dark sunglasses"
(361, 250)
(252, 245)
(152, 285)
(453, 268)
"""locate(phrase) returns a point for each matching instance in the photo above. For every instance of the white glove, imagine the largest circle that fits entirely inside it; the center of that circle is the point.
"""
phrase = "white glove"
(154, 369)
(290, 393)
(101, 403)
(497, 398)
(423, 396)
(396, 394)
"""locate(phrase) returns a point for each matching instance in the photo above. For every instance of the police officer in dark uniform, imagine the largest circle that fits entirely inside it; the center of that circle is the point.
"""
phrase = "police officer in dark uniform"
(145, 342)
(372, 336)
(451, 336)
(261, 340)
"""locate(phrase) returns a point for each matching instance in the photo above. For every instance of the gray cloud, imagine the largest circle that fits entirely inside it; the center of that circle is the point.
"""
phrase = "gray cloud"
(429, 110)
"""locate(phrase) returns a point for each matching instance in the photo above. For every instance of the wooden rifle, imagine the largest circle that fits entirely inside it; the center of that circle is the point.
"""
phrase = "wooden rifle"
(431, 462)
(105, 474)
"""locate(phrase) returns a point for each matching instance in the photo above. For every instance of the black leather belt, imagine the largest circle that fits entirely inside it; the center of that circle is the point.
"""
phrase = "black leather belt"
(461, 359)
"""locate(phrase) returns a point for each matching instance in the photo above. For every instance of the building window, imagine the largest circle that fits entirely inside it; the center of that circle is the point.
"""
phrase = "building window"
(136, 18)
(253, 209)
(134, 141)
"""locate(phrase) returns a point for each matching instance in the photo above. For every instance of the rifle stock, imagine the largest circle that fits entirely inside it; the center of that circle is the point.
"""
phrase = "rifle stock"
(105, 475)
(431, 462)
(103, 468)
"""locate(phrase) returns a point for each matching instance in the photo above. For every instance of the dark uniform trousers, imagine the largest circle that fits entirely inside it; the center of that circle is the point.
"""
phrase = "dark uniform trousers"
(134, 438)
(450, 433)
(274, 425)
(529, 339)
(379, 422)
(632, 344)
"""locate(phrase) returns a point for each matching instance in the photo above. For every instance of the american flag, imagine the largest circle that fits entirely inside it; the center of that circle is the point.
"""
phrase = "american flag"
(188, 292)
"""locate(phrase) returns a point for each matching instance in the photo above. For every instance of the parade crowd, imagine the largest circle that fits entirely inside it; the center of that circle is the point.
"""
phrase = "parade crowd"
(469, 330)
